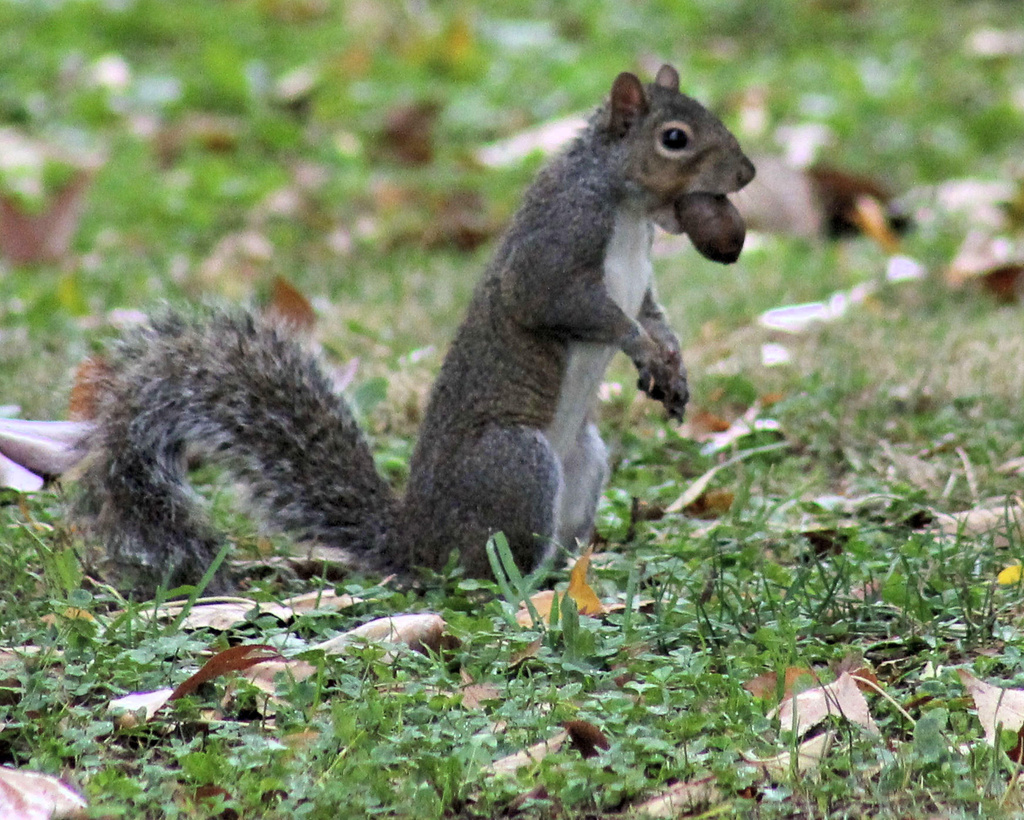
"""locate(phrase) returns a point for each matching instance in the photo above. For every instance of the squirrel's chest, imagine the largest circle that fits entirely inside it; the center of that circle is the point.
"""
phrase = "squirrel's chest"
(627, 261)
(627, 275)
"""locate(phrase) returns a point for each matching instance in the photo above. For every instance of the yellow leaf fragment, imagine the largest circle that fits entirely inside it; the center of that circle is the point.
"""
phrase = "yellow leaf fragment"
(1010, 575)
(580, 591)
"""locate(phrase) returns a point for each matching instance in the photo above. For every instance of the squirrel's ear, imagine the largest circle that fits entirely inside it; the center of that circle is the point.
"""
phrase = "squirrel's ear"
(667, 77)
(627, 102)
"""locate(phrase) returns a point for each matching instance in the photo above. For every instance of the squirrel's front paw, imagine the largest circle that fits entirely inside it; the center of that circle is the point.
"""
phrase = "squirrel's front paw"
(664, 380)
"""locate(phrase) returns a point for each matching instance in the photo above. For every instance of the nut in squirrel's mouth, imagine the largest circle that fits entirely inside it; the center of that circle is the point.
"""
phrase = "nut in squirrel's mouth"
(710, 220)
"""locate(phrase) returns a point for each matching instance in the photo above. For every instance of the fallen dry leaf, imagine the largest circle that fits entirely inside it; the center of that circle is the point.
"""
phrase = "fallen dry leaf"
(31, 451)
(699, 485)
(29, 238)
(421, 632)
(1015, 466)
(290, 307)
(264, 674)
(843, 697)
(27, 795)
(807, 756)
(126, 709)
(997, 707)
(408, 134)
(711, 504)
(1003, 519)
(235, 659)
(529, 756)
(475, 694)
(531, 650)
(542, 603)
(766, 686)
(981, 254)
(682, 798)
(325, 600)
(579, 590)
(221, 614)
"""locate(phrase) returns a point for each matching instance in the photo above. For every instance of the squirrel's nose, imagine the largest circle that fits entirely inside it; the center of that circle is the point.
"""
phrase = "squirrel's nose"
(745, 173)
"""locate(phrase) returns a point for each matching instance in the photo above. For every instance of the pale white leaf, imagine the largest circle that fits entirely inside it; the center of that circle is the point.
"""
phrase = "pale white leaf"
(806, 710)
(997, 707)
(27, 795)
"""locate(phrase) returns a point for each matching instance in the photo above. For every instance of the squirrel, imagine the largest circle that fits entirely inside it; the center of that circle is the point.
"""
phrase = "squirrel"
(507, 443)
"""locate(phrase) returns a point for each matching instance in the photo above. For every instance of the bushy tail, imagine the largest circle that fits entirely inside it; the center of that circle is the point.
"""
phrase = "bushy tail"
(232, 389)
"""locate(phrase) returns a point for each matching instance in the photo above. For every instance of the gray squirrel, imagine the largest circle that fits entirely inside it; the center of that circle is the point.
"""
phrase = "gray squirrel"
(507, 443)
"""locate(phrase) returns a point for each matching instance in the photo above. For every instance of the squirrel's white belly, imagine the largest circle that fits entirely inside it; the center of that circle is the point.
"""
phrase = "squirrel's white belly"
(627, 275)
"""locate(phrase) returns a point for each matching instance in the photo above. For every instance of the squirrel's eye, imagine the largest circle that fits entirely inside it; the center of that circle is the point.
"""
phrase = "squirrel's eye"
(674, 139)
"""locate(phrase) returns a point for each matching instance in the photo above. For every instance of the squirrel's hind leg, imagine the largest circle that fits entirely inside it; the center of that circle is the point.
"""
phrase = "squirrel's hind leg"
(507, 480)
(584, 472)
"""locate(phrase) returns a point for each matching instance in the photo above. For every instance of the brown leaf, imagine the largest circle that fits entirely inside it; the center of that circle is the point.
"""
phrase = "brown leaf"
(710, 504)
(1005, 282)
(542, 139)
(460, 219)
(852, 202)
(27, 795)
(542, 602)
(289, 307)
(579, 591)
(586, 738)
(234, 659)
(474, 694)
(990, 259)
(409, 132)
(529, 651)
(27, 238)
(763, 686)
(213, 132)
(322, 600)
(700, 425)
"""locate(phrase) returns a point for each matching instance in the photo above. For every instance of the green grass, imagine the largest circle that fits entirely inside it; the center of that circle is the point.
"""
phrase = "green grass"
(908, 405)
